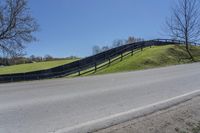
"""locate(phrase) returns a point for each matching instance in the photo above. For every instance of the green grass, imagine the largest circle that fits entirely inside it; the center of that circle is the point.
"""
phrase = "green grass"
(33, 66)
(157, 56)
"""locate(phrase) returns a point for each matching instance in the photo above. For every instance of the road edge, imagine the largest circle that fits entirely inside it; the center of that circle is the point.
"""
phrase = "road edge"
(106, 122)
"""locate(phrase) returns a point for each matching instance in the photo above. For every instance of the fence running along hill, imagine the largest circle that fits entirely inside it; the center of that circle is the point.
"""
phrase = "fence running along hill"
(86, 63)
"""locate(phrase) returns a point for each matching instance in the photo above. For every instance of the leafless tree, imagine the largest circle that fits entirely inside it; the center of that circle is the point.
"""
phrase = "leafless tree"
(96, 49)
(48, 57)
(117, 43)
(184, 23)
(16, 26)
(105, 48)
(132, 39)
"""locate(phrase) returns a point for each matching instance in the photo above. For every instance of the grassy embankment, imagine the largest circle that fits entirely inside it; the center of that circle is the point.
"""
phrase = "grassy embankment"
(33, 66)
(157, 56)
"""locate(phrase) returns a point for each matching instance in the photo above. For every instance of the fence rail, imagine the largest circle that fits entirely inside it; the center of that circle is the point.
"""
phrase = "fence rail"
(87, 63)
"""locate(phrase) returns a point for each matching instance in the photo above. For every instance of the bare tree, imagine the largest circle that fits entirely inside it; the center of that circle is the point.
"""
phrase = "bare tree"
(105, 48)
(132, 39)
(96, 49)
(117, 43)
(184, 23)
(16, 25)
(48, 57)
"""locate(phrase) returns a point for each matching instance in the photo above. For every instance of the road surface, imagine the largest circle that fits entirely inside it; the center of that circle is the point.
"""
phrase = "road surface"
(50, 105)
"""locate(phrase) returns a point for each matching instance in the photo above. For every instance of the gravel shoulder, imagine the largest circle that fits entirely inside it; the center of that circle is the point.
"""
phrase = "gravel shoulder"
(183, 118)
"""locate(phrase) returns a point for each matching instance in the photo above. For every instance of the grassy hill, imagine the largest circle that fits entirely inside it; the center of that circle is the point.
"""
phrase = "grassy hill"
(33, 66)
(157, 56)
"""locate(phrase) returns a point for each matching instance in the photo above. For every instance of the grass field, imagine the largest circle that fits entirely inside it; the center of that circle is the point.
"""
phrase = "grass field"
(33, 66)
(157, 56)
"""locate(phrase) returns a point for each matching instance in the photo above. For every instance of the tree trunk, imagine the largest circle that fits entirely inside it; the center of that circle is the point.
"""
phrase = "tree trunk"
(188, 50)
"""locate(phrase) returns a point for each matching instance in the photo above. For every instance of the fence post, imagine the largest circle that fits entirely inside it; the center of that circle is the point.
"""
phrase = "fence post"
(109, 61)
(133, 47)
(141, 47)
(121, 56)
(79, 72)
(95, 66)
(79, 69)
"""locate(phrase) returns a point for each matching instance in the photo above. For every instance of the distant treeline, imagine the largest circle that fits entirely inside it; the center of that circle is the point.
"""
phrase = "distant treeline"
(7, 61)
(116, 43)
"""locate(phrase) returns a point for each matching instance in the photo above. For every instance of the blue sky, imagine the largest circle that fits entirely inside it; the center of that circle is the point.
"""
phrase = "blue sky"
(73, 27)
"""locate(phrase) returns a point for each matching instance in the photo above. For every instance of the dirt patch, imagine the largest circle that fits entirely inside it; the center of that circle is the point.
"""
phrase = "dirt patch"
(183, 118)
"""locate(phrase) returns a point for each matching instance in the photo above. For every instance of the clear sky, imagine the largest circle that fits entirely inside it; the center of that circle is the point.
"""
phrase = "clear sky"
(73, 27)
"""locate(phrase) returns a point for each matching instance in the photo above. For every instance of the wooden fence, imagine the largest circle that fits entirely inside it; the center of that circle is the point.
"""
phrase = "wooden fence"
(87, 63)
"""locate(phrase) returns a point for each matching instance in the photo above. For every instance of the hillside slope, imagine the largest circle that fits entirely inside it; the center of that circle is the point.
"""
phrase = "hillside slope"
(157, 56)
(33, 66)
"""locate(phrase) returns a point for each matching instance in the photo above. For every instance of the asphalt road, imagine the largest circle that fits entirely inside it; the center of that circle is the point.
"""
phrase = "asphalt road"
(49, 105)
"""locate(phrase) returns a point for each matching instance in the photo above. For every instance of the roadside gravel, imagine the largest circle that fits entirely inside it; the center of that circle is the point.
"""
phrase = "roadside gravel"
(183, 118)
